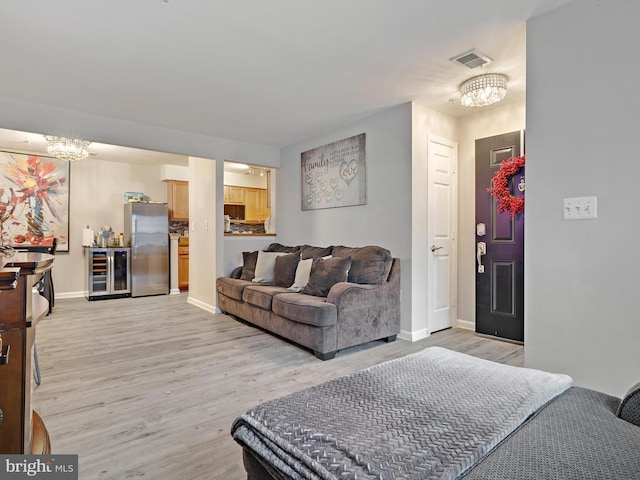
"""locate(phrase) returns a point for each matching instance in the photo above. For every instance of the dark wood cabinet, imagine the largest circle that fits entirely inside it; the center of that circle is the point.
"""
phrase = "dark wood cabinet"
(21, 309)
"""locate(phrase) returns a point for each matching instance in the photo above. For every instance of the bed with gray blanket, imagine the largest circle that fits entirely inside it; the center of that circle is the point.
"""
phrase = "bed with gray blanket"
(439, 414)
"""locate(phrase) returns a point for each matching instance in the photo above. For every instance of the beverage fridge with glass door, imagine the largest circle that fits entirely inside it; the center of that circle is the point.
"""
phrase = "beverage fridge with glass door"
(109, 272)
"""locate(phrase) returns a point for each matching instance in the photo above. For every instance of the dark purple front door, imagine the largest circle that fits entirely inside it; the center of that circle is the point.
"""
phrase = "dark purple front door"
(500, 288)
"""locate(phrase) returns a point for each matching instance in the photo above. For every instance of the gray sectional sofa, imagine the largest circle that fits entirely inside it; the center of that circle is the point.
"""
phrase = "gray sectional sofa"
(351, 295)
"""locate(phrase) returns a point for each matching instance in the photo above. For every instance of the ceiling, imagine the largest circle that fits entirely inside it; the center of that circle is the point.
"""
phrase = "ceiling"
(269, 72)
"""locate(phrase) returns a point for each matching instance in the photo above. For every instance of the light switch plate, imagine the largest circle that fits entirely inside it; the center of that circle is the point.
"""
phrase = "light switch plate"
(580, 208)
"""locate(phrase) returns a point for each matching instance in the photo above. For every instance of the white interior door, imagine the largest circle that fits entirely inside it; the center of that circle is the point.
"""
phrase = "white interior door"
(442, 160)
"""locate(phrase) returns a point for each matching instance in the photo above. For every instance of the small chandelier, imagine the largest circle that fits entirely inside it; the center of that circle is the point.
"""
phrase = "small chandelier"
(69, 149)
(483, 90)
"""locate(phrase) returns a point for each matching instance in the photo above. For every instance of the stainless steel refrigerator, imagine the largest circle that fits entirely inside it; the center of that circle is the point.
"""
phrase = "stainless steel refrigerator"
(146, 230)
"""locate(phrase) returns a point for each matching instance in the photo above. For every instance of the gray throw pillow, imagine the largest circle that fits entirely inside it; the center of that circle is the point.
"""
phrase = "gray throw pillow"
(307, 251)
(278, 247)
(369, 265)
(325, 273)
(284, 272)
(249, 260)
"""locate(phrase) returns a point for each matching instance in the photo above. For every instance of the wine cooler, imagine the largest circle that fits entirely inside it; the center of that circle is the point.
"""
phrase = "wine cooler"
(109, 272)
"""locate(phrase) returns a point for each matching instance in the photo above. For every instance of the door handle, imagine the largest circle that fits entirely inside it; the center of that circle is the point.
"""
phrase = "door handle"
(481, 249)
(434, 248)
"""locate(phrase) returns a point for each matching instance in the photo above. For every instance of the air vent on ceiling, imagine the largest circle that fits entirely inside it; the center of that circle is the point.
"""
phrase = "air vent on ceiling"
(471, 59)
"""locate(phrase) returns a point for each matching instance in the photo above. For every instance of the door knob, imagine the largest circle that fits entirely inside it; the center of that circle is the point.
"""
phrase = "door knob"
(434, 248)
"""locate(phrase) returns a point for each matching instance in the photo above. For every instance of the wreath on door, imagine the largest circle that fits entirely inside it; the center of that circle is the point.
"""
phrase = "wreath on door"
(500, 187)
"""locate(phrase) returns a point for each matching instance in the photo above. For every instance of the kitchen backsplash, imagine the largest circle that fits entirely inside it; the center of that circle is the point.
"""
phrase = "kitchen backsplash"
(247, 227)
(178, 227)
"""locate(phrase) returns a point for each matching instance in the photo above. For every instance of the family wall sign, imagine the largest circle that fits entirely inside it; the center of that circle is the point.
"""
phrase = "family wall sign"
(334, 175)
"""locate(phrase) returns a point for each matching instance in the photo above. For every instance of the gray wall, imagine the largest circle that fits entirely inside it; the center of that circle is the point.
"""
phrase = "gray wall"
(582, 129)
(396, 142)
(386, 218)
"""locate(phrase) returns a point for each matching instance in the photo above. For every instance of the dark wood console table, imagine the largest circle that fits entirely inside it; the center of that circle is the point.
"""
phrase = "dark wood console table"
(21, 429)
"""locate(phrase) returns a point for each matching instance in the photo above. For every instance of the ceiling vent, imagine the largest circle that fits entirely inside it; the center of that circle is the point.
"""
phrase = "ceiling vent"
(472, 59)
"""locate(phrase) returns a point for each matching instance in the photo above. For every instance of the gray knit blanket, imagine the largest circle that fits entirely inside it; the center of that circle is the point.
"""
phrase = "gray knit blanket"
(429, 415)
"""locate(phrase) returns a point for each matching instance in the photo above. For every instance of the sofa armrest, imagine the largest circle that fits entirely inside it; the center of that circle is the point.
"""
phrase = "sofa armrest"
(367, 312)
(348, 288)
(236, 273)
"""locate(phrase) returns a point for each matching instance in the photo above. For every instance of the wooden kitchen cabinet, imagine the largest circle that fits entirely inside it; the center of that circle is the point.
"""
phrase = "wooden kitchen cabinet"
(256, 204)
(234, 195)
(178, 199)
(183, 263)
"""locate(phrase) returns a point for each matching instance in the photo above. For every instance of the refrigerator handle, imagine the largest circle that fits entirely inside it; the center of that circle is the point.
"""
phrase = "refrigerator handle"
(134, 242)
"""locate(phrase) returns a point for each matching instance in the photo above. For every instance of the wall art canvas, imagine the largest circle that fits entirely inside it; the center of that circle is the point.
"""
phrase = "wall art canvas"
(334, 175)
(34, 200)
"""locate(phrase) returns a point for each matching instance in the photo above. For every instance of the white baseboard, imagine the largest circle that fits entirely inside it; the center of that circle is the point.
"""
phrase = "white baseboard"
(174, 291)
(202, 305)
(413, 336)
(71, 295)
(466, 324)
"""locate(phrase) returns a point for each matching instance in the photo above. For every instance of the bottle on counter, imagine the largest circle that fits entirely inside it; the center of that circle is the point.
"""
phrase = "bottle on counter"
(121, 239)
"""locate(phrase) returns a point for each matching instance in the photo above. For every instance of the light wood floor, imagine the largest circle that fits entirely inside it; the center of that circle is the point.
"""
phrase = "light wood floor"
(149, 387)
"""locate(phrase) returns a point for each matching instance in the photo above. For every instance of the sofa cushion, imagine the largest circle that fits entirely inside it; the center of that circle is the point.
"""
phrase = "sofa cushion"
(261, 295)
(325, 273)
(284, 271)
(265, 266)
(232, 287)
(303, 308)
(278, 247)
(249, 260)
(307, 251)
(368, 264)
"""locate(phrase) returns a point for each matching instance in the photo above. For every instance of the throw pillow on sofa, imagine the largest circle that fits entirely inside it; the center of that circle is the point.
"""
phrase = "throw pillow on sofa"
(249, 260)
(265, 266)
(278, 247)
(303, 270)
(307, 251)
(325, 273)
(369, 265)
(284, 271)
(302, 275)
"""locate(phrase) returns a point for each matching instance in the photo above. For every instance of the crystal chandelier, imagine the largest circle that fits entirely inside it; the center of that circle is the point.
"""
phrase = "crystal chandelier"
(69, 149)
(483, 90)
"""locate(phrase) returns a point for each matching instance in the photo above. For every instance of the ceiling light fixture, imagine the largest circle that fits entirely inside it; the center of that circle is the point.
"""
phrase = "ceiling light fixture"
(68, 149)
(483, 90)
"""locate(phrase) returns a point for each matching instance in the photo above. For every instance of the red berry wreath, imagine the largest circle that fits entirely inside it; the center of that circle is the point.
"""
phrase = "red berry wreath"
(500, 188)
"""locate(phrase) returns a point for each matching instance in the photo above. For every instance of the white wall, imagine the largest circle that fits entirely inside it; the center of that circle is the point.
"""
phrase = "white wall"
(425, 122)
(205, 229)
(582, 138)
(245, 180)
(96, 198)
(31, 117)
(489, 121)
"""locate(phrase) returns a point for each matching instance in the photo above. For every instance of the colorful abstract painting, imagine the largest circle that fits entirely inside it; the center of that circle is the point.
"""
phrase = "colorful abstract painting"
(34, 200)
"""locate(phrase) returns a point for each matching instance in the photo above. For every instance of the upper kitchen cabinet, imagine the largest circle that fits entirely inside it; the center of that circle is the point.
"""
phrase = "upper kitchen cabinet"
(256, 204)
(234, 195)
(178, 199)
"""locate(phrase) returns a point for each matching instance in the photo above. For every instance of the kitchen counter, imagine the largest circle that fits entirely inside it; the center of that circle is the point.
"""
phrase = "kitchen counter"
(239, 234)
